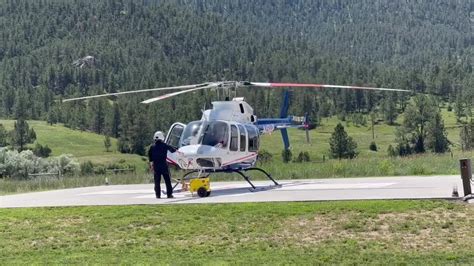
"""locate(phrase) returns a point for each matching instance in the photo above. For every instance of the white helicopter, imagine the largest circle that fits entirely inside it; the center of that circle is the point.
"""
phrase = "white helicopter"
(226, 138)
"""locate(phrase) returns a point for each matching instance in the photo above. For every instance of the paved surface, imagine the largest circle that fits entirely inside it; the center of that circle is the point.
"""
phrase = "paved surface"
(408, 187)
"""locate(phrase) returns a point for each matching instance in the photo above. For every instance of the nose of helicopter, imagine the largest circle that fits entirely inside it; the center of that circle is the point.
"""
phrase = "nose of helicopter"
(191, 150)
(199, 157)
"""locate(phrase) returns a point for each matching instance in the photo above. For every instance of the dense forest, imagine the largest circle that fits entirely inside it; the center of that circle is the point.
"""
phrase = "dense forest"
(55, 49)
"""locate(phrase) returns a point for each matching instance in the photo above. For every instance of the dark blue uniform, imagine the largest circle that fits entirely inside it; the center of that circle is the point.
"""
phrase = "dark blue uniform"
(157, 155)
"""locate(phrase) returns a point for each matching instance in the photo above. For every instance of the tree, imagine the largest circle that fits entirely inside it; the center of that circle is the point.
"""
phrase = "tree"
(459, 108)
(467, 136)
(389, 109)
(140, 135)
(107, 143)
(437, 138)
(31, 135)
(341, 145)
(3, 136)
(417, 115)
(21, 135)
(113, 121)
(21, 105)
(97, 109)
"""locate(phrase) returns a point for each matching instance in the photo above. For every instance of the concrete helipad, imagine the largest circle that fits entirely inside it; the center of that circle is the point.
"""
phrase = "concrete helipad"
(407, 187)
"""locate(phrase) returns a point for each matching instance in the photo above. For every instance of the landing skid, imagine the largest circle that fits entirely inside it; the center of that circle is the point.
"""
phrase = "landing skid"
(241, 172)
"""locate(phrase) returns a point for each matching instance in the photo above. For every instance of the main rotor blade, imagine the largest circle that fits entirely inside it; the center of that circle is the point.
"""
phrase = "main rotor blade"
(162, 97)
(136, 91)
(265, 84)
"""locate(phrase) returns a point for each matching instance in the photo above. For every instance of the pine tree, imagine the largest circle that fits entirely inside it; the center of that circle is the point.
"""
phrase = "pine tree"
(417, 115)
(467, 136)
(139, 136)
(341, 145)
(389, 110)
(20, 134)
(21, 105)
(97, 109)
(437, 138)
(3, 136)
(107, 143)
(112, 121)
(459, 108)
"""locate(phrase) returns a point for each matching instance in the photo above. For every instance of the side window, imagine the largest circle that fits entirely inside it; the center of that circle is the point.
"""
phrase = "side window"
(253, 138)
(243, 138)
(234, 138)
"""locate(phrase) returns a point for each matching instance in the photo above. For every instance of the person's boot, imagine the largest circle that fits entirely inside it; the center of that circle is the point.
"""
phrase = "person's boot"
(170, 196)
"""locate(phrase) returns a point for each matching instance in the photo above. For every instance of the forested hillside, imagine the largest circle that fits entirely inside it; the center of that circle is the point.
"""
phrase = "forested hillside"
(52, 49)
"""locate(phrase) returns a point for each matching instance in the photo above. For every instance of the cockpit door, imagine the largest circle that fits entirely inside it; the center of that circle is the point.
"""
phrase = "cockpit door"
(174, 134)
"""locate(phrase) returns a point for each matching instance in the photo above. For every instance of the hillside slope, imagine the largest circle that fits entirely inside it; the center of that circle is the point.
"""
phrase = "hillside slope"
(85, 146)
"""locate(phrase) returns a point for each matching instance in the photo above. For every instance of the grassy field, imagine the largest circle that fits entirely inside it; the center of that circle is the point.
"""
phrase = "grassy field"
(85, 146)
(319, 138)
(362, 232)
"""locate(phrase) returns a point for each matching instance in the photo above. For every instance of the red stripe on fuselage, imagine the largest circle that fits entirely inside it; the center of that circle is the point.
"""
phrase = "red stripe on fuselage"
(171, 161)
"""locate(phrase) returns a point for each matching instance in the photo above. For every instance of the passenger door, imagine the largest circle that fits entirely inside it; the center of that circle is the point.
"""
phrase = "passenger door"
(174, 134)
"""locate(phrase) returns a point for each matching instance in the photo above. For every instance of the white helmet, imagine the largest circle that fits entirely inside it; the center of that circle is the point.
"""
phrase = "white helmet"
(159, 136)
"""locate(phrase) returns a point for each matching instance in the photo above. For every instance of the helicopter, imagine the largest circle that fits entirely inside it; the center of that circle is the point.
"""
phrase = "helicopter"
(227, 137)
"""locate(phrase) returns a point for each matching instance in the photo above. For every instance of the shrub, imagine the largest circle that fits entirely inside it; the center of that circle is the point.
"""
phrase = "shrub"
(41, 151)
(286, 156)
(65, 164)
(87, 168)
(373, 146)
(391, 151)
(264, 156)
(302, 157)
(20, 164)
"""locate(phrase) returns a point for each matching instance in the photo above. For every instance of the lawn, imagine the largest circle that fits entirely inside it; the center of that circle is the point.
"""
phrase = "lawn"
(348, 232)
(85, 146)
(318, 148)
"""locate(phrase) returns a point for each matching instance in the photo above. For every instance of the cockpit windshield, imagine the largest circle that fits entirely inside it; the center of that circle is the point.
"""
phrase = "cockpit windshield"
(216, 133)
(190, 133)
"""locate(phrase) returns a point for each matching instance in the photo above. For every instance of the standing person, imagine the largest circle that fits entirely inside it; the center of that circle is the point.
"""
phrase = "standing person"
(157, 157)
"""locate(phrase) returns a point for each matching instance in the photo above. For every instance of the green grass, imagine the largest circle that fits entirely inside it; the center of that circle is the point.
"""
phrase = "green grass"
(368, 163)
(319, 138)
(362, 232)
(85, 146)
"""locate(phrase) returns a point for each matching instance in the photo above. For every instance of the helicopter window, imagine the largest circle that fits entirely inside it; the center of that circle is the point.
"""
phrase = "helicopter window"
(253, 138)
(190, 132)
(216, 133)
(234, 138)
(243, 140)
(174, 136)
(242, 108)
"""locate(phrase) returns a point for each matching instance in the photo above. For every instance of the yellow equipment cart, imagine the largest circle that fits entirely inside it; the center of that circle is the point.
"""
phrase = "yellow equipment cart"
(200, 185)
